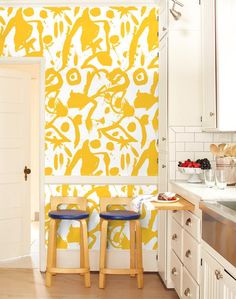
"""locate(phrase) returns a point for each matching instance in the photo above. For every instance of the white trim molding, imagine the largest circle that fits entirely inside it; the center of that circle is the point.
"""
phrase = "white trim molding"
(78, 3)
(101, 180)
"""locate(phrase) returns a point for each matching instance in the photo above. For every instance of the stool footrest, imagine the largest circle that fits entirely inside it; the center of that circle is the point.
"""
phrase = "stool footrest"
(67, 270)
(120, 271)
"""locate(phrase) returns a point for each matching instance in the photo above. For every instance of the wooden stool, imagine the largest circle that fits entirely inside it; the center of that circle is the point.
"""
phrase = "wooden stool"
(136, 263)
(80, 215)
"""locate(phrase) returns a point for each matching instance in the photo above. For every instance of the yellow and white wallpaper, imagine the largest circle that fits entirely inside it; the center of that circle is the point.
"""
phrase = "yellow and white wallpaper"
(101, 102)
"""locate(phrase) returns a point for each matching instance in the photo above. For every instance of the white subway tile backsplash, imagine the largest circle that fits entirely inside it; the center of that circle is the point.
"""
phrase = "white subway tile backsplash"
(191, 143)
(222, 137)
(203, 137)
(180, 146)
(193, 129)
(234, 137)
(172, 171)
(179, 129)
(186, 137)
(182, 156)
(194, 147)
(206, 147)
(172, 151)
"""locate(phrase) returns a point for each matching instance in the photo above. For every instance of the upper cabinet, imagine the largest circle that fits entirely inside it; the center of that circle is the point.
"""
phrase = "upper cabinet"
(219, 64)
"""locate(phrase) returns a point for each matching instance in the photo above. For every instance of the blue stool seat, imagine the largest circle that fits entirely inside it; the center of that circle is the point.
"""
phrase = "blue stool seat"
(120, 215)
(68, 214)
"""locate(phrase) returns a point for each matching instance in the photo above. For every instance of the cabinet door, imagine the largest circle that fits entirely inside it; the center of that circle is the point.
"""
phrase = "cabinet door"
(229, 286)
(211, 281)
(208, 65)
(163, 18)
(163, 81)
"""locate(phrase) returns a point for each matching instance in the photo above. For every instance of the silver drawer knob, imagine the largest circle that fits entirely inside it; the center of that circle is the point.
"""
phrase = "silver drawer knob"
(188, 222)
(218, 275)
(174, 237)
(163, 139)
(163, 166)
(212, 114)
(174, 271)
(188, 253)
(187, 292)
(164, 28)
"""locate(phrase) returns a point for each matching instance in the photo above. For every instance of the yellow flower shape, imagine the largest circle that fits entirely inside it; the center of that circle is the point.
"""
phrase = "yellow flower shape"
(140, 77)
(73, 76)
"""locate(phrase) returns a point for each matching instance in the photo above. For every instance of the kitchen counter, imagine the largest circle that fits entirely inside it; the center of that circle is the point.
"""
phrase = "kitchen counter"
(197, 193)
(200, 192)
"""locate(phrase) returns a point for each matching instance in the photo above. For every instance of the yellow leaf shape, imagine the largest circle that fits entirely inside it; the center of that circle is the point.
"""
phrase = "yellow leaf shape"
(117, 134)
(104, 58)
(78, 100)
(144, 100)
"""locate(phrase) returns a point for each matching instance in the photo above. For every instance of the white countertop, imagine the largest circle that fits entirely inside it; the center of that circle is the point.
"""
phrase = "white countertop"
(201, 192)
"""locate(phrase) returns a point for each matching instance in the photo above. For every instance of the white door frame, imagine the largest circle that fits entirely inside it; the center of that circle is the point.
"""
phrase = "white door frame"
(41, 62)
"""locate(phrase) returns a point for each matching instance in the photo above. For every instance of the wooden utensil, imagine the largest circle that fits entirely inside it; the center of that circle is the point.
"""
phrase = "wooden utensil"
(228, 151)
(222, 148)
(214, 150)
(234, 150)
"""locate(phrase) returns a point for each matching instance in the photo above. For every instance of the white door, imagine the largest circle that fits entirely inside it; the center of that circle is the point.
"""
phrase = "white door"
(14, 156)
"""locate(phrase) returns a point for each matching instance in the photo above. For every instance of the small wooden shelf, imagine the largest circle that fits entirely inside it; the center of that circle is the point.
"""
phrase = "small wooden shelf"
(179, 205)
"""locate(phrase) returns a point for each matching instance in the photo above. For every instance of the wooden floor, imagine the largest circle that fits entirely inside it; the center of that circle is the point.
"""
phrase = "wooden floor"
(29, 284)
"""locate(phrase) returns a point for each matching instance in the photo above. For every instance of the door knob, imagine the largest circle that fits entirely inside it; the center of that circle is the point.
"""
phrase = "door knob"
(26, 172)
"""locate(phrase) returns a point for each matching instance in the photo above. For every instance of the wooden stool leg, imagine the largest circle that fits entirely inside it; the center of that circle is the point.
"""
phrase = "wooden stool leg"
(103, 247)
(132, 246)
(51, 256)
(86, 253)
(139, 254)
(81, 247)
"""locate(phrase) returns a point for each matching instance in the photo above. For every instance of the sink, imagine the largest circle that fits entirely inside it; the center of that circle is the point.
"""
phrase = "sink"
(229, 204)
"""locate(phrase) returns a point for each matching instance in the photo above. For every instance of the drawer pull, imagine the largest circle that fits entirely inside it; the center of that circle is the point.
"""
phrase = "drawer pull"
(174, 271)
(188, 222)
(174, 237)
(175, 211)
(187, 292)
(188, 253)
(218, 275)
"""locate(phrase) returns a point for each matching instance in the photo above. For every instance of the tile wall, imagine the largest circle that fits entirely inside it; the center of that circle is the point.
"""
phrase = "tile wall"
(192, 143)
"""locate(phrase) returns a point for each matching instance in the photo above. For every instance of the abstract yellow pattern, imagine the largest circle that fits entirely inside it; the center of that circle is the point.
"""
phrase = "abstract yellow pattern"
(68, 236)
(101, 84)
(101, 102)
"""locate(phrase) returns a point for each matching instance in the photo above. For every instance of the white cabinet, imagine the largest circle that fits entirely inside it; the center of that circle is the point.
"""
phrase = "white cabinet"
(216, 282)
(218, 64)
(185, 253)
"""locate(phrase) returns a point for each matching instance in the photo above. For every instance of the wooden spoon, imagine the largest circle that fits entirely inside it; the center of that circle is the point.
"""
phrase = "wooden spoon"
(234, 150)
(228, 151)
(221, 148)
(214, 150)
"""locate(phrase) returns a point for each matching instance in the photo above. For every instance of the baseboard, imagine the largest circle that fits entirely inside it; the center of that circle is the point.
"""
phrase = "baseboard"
(115, 259)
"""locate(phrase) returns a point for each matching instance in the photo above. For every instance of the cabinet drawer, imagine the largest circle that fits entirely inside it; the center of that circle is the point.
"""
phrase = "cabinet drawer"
(192, 225)
(177, 239)
(176, 273)
(191, 255)
(190, 287)
(178, 216)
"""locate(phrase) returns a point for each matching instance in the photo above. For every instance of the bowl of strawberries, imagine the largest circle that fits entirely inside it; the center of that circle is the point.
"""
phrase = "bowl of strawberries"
(192, 169)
